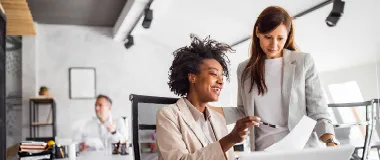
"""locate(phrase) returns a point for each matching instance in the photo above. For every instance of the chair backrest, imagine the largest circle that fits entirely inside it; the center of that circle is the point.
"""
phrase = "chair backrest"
(368, 123)
(144, 109)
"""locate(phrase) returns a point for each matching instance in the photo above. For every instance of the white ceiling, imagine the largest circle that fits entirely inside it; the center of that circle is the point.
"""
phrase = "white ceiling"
(225, 20)
(353, 41)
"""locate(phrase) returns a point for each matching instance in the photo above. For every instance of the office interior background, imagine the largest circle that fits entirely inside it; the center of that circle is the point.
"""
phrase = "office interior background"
(129, 44)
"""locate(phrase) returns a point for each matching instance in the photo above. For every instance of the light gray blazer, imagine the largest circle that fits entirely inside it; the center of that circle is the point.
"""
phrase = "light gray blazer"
(302, 94)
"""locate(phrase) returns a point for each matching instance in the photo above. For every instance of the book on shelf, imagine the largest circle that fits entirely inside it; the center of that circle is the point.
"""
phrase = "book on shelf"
(33, 143)
(33, 150)
(39, 157)
(31, 146)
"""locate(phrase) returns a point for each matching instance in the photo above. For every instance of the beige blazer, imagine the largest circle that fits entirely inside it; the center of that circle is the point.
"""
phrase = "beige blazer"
(302, 94)
(179, 137)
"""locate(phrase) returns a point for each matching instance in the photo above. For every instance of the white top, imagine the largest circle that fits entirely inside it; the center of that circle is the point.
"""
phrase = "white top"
(204, 123)
(270, 107)
(96, 135)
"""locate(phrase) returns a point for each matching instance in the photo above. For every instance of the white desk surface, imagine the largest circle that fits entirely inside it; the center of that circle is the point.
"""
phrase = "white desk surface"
(101, 156)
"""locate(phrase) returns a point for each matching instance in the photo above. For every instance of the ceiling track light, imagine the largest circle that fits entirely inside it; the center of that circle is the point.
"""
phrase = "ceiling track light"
(148, 17)
(129, 42)
(336, 13)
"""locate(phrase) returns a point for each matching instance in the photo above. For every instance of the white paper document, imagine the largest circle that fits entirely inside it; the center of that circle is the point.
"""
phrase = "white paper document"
(297, 138)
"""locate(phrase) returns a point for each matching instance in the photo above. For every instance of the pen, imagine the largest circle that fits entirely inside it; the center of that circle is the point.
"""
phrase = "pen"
(268, 124)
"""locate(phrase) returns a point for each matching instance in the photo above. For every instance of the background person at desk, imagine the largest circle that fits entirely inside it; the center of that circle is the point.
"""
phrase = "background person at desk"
(102, 130)
(279, 84)
(188, 129)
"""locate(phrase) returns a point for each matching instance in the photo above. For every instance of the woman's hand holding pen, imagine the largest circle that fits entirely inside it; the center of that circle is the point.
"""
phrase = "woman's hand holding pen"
(239, 132)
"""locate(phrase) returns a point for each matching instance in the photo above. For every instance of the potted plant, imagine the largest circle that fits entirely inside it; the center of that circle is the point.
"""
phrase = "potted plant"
(44, 91)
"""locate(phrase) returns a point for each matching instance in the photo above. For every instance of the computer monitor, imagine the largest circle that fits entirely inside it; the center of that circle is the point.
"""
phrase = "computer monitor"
(330, 153)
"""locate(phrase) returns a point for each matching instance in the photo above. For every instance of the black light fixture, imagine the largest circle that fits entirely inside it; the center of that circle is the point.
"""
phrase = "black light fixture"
(336, 13)
(148, 17)
(129, 42)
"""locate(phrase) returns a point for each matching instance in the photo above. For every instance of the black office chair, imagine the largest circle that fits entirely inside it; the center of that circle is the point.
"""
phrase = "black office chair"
(369, 124)
(144, 110)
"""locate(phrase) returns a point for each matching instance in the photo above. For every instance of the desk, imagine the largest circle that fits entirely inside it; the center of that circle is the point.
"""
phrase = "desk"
(100, 155)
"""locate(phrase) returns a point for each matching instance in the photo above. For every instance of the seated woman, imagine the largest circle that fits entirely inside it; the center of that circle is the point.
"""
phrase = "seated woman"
(188, 129)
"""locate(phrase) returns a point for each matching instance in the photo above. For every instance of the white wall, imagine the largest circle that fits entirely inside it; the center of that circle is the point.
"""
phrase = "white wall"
(29, 79)
(367, 76)
(120, 72)
(142, 69)
(378, 69)
(364, 75)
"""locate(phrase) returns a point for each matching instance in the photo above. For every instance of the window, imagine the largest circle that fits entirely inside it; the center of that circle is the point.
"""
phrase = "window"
(345, 93)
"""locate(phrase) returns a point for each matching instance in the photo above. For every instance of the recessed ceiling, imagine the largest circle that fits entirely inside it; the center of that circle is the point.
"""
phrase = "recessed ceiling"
(76, 12)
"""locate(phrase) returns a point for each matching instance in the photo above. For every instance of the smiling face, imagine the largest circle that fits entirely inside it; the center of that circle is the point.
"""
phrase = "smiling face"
(208, 83)
(273, 42)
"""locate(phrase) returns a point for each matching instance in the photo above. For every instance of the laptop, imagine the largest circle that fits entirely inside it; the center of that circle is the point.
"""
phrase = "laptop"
(329, 153)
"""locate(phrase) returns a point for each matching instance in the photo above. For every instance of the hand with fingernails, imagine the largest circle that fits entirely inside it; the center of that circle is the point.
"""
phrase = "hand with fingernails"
(239, 132)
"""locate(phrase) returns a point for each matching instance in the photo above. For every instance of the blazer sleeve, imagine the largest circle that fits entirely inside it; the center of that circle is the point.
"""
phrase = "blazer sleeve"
(171, 145)
(232, 114)
(316, 106)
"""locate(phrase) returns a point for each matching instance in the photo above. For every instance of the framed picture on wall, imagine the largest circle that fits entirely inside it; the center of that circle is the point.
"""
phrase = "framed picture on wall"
(82, 83)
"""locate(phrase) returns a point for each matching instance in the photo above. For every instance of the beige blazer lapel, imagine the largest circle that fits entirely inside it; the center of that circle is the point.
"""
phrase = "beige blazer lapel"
(189, 120)
(219, 127)
(216, 124)
(288, 79)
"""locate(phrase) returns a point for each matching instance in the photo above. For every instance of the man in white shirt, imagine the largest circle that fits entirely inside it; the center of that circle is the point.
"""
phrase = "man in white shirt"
(101, 131)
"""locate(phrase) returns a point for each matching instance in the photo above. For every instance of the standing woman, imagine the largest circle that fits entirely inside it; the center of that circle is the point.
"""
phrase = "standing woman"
(280, 85)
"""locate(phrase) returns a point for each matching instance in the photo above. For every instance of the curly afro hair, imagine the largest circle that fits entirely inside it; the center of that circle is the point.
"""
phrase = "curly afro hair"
(189, 58)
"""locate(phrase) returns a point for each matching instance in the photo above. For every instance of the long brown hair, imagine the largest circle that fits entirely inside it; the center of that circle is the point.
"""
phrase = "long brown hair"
(269, 19)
